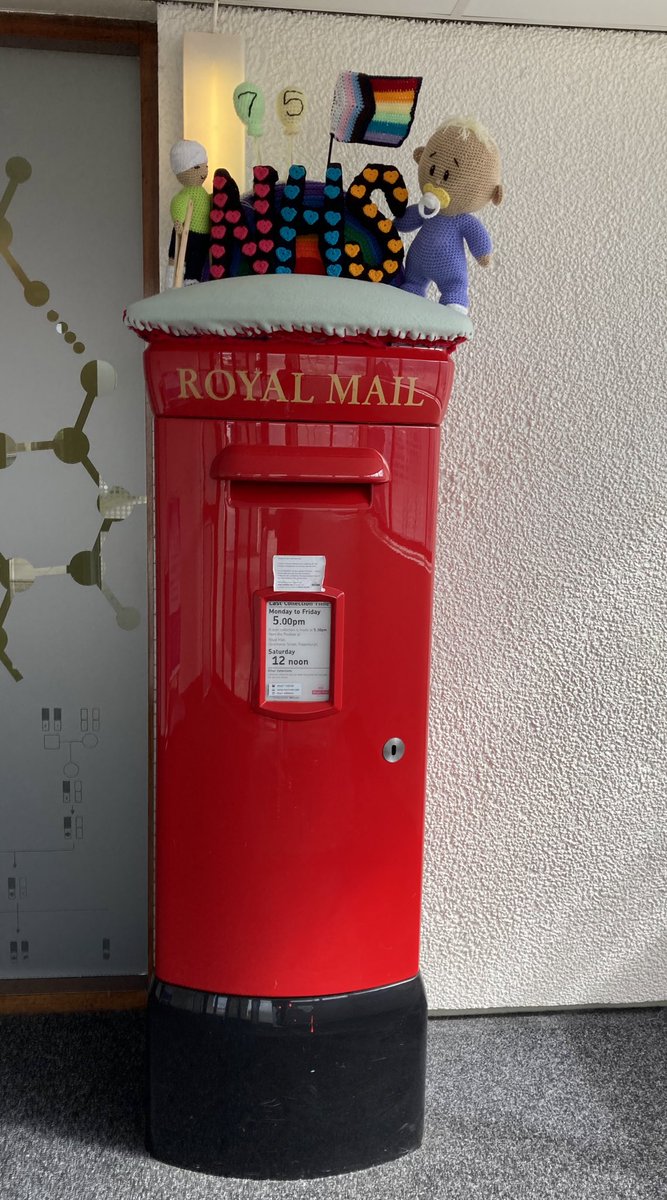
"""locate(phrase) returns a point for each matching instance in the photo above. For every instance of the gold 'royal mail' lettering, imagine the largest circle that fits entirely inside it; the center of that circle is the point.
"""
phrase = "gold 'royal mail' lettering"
(220, 384)
(375, 390)
(249, 384)
(274, 389)
(411, 402)
(353, 382)
(187, 377)
(298, 398)
(210, 390)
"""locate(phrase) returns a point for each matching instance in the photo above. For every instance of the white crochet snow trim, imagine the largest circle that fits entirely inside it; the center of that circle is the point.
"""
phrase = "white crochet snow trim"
(250, 306)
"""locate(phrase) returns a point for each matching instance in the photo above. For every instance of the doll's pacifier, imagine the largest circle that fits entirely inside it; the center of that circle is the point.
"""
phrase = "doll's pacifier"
(433, 200)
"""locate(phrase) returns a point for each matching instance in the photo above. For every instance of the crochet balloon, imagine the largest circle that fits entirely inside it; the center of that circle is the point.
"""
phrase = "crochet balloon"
(249, 107)
(291, 107)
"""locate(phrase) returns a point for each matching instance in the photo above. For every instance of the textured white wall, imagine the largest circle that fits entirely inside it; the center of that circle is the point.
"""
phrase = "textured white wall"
(547, 842)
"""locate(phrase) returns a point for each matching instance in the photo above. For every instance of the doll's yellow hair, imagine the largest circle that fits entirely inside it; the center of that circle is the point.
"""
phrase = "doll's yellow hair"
(468, 125)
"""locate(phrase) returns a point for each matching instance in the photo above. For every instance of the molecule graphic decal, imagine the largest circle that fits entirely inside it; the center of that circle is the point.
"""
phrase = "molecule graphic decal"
(70, 445)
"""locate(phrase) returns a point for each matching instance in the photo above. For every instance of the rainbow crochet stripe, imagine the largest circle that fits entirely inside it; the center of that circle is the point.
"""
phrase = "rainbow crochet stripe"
(375, 109)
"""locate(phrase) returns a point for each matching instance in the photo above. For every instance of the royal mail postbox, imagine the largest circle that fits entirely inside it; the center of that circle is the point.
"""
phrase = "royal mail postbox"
(296, 490)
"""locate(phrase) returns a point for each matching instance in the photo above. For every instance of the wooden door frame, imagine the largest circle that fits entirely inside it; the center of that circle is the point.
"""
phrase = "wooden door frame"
(134, 39)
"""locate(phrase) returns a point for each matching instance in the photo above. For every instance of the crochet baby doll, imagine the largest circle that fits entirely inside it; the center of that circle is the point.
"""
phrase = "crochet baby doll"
(459, 172)
(189, 162)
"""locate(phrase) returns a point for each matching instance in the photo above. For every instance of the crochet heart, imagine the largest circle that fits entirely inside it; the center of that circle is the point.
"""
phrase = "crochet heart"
(332, 255)
(216, 216)
(219, 180)
(261, 206)
(376, 276)
(355, 269)
(218, 231)
(331, 192)
(261, 266)
(291, 191)
(332, 218)
(395, 244)
(287, 233)
(288, 214)
(283, 270)
(401, 193)
(262, 189)
(266, 245)
(217, 271)
(220, 199)
(249, 248)
(297, 172)
(233, 216)
(335, 270)
(390, 176)
(384, 226)
(218, 251)
(331, 236)
(371, 174)
(264, 226)
(371, 210)
(358, 190)
(261, 172)
(283, 253)
(241, 232)
(390, 265)
(351, 249)
(310, 216)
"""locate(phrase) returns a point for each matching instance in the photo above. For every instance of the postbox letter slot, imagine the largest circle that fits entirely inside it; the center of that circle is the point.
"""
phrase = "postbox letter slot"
(301, 464)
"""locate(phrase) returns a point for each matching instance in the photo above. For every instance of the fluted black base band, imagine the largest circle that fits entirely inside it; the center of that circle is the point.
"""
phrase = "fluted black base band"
(285, 1089)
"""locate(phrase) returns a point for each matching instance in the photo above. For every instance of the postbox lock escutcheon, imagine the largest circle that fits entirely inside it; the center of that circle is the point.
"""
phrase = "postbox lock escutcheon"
(393, 750)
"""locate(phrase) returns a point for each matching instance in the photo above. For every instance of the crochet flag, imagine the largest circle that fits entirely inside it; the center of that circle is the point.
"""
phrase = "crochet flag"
(375, 109)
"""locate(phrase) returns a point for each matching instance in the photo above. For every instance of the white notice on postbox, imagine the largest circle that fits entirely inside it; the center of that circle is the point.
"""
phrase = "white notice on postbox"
(298, 572)
(298, 650)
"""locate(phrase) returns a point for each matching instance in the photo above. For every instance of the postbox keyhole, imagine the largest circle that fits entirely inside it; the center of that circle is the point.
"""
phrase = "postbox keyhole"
(393, 750)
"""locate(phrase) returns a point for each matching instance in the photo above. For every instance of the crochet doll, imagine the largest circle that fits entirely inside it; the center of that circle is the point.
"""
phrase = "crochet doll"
(189, 162)
(459, 172)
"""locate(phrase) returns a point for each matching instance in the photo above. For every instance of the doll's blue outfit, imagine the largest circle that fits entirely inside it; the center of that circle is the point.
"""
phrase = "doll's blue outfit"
(438, 255)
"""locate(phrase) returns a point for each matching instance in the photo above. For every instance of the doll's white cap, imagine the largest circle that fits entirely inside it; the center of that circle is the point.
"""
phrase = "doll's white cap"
(184, 155)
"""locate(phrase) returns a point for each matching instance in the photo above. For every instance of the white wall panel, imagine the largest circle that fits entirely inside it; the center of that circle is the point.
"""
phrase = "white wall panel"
(597, 14)
(385, 8)
(601, 14)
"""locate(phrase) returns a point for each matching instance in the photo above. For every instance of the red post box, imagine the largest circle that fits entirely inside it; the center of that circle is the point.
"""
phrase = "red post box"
(296, 493)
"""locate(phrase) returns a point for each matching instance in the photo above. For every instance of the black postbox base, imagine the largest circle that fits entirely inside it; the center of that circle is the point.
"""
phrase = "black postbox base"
(285, 1089)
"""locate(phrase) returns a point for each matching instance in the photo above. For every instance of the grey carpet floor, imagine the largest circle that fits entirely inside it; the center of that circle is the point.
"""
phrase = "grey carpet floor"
(568, 1106)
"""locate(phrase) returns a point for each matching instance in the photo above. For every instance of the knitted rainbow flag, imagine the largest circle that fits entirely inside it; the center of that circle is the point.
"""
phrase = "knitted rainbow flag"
(375, 109)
